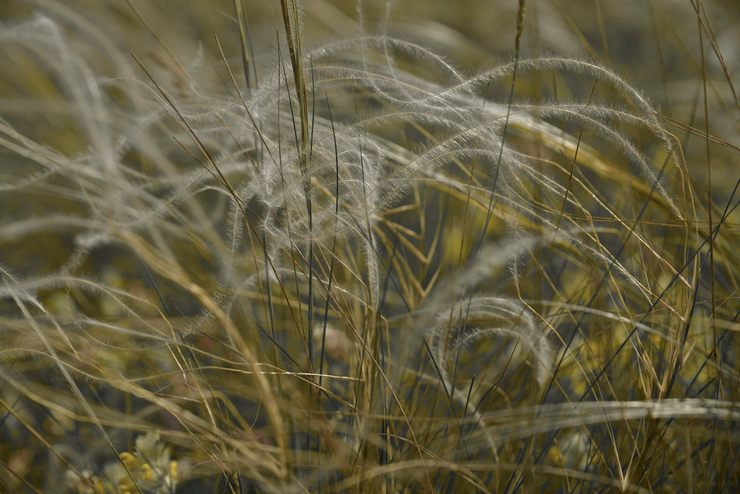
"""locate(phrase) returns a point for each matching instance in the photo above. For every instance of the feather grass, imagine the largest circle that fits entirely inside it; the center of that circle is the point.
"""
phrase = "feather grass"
(363, 270)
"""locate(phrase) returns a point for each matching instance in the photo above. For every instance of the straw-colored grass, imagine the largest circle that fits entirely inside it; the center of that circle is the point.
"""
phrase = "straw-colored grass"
(242, 253)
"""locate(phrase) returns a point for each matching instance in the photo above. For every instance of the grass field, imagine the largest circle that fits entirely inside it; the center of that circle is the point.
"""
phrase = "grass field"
(335, 246)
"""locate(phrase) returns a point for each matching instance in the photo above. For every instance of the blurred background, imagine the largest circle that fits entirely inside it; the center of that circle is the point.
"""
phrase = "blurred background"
(653, 44)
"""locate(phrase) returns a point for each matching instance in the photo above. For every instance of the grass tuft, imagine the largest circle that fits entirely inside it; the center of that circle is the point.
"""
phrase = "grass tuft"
(297, 248)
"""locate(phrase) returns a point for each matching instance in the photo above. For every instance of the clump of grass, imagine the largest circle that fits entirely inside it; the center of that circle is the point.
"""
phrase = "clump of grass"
(354, 267)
